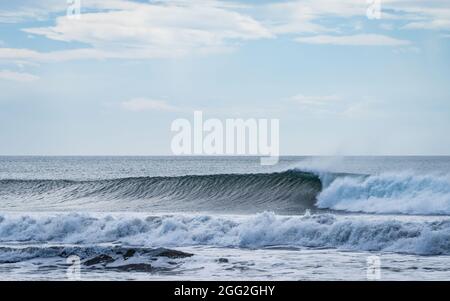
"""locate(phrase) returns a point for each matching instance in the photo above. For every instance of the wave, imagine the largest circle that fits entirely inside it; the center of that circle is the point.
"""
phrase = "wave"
(290, 191)
(401, 193)
(255, 231)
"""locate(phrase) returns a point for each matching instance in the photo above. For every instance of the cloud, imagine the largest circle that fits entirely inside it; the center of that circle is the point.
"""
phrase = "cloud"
(428, 15)
(433, 24)
(314, 100)
(17, 76)
(30, 10)
(323, 106)
(354, 40)
(304, 16)
(307, 16)
(317, 105)
(164, 29)
(123, 29)
(72, 54)
(145, 104)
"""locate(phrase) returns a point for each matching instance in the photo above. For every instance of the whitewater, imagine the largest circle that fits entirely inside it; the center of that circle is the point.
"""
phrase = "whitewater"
(206, 218)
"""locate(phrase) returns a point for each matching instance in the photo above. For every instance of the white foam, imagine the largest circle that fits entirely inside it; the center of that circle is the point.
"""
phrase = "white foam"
(256, 231)
(403, 193)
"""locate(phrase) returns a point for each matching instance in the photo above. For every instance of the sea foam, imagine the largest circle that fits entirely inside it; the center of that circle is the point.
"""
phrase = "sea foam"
(267, 229)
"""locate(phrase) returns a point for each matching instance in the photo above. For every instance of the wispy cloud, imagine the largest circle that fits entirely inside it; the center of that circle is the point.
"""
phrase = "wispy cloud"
(427, 15)
(17, 76)
(145, 104)
(354, 40)
(303, 16)
(335, 105)
(150, 30)
(432, 24)
(122, 29)
(30, 10)
(314, 100)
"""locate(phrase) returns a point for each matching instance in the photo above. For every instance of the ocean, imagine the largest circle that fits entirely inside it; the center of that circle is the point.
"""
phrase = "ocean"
(224, 218)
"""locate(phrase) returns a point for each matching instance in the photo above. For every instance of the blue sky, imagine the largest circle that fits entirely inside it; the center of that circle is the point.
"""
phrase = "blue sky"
(112, 81)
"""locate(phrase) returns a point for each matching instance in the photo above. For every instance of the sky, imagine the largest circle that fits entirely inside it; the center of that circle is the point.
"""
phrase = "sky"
(340, 80)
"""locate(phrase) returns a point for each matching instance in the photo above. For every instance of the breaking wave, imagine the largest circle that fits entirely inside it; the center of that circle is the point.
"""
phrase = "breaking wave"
(401, 193)
(255, 231)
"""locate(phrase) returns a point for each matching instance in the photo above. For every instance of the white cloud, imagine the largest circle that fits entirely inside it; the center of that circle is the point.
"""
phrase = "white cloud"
(314, 100)
(301, 16)
(169, 29)
(145, 104)
(123, 29)
(72, 54)
(317, 105)
(305, 16)
(17, 76)
(432, 24)
(430, 15)
(354, 40)
(25, 10)
(120, 29)
(322, 106)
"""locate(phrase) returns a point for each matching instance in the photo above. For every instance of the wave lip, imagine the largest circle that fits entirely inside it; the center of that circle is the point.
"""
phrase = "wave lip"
(389, 193)
(256, 231)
